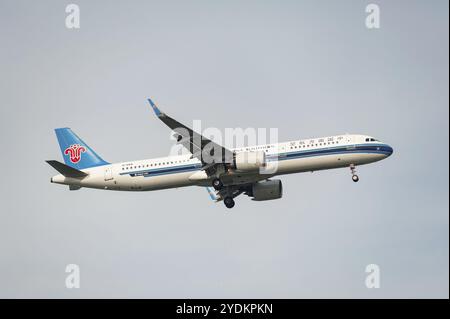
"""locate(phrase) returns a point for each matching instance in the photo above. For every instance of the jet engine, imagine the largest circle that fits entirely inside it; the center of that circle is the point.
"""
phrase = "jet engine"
(249, 161)
(267, 190)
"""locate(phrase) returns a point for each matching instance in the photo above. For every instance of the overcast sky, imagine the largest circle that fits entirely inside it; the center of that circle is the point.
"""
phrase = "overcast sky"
(308, 68)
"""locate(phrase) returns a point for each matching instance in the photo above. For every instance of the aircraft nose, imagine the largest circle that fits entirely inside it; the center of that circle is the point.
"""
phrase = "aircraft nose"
(389, 150)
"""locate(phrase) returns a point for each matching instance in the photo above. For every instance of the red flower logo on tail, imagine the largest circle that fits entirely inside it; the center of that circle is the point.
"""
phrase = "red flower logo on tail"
(74, 151)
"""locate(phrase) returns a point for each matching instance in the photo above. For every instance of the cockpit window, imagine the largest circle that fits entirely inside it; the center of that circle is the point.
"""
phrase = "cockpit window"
(371, 139)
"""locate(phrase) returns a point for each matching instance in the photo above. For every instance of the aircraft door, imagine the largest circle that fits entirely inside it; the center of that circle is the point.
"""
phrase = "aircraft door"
(351, 145)
(281, 151)
(108, 173)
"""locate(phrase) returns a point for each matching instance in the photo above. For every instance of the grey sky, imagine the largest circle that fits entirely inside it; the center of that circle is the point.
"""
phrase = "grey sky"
(309, 68)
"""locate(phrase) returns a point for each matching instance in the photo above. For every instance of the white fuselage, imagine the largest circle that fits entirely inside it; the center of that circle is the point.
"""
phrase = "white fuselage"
(283, 158)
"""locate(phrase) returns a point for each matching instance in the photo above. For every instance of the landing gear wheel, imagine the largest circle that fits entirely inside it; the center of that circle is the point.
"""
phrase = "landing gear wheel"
(355, 177)
(229, 202)
(217, 184)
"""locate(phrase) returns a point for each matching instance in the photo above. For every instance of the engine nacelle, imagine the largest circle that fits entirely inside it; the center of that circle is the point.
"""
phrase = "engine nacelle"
(249, 161)
(267, 190)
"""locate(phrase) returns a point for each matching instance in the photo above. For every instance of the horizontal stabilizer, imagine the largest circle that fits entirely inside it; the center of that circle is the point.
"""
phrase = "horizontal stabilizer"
(66, 170)
(74, 187)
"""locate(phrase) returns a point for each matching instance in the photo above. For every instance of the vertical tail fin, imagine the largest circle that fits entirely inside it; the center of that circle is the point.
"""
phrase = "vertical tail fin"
(75, 152)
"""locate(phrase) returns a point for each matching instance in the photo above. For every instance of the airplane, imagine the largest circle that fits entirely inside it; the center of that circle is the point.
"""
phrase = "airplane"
(226, 173)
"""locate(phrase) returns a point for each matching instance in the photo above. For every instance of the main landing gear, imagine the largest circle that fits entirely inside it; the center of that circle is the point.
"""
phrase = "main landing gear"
(355, 177)
(229, 202)
(217, 184)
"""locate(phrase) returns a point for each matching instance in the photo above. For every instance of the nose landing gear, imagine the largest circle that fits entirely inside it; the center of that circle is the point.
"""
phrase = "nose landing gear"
(355, 177)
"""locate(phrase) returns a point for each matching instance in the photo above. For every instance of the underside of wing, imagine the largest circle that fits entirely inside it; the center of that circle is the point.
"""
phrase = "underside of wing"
(208, 152)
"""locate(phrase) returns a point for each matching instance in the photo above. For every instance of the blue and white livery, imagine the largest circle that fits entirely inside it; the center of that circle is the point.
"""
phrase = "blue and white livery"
(226, 173)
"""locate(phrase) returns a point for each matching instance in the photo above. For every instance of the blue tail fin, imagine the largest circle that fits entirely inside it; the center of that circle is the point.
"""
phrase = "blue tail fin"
(75, 152)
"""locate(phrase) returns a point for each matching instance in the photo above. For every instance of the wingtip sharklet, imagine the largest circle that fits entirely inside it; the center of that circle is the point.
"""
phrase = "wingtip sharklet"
(154, 107)
(212, 194)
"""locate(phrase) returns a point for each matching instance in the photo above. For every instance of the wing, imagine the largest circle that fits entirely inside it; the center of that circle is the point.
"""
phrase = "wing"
(207, 151)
